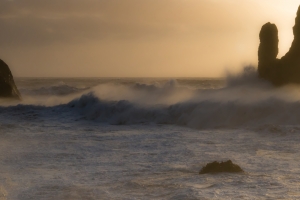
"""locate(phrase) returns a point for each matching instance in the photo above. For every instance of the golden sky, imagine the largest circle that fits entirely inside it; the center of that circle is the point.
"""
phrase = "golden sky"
(137, 38)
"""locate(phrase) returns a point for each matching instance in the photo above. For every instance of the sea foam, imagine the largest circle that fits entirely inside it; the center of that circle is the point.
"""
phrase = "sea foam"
(244, 101)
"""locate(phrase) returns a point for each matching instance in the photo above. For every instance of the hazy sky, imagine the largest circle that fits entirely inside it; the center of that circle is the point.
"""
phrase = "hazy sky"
(130, 38)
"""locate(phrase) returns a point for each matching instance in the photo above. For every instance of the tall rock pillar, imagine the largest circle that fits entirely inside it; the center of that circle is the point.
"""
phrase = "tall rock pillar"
(268, 50)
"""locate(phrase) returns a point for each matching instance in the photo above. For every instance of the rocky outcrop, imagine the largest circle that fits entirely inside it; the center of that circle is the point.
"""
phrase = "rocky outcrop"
(8, 88)
(216, 167)
(279, 71)
(268, 49)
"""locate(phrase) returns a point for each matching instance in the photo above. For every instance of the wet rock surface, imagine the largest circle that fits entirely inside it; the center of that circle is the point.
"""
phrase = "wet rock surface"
(8, 88)
(220, 167)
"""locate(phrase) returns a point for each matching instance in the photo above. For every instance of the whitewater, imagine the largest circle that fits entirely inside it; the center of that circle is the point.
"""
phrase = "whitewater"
(148, 138)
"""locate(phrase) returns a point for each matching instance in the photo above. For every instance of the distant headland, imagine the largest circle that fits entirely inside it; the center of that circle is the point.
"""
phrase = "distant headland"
(279, 71)
(8, 88)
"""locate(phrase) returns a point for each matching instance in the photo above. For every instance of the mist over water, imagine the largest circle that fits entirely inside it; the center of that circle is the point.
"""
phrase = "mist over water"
(240, 99)
(124, 138)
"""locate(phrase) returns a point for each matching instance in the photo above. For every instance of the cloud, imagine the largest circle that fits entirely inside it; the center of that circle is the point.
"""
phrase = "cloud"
(36, 22)
(130, 37)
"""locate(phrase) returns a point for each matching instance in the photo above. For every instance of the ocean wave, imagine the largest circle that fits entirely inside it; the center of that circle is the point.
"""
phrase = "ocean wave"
(59, 90)
(169, 92)
(200, 115)
(246, 101)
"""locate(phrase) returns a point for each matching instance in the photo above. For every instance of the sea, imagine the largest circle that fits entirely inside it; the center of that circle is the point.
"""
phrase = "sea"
(148, 138)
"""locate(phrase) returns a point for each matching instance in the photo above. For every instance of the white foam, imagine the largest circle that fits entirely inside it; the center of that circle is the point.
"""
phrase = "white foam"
(244, 101)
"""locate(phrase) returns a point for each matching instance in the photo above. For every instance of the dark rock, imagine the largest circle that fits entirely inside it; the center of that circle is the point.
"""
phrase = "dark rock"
(279, 71)
(216, 167)
(268, 49)
(8, 88)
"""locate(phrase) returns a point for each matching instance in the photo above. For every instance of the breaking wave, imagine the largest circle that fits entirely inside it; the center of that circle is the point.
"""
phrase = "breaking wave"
(245, 101)
(201, 115)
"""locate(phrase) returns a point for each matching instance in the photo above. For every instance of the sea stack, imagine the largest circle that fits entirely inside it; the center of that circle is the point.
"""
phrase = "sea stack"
(279, 71)
(8, 88)
(268, 49)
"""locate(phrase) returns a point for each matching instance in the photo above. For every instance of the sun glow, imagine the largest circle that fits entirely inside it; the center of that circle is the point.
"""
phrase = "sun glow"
(285, 40)
(138, 38)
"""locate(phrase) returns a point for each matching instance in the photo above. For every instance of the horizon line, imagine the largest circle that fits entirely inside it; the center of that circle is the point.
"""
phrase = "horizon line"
(118, 77)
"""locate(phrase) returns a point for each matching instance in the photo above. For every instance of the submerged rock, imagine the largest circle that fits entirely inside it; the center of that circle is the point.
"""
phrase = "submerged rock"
(216, 167)
(279, 71)
(8, 88)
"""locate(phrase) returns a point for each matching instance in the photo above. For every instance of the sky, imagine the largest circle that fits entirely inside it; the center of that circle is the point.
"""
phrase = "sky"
(137, 38)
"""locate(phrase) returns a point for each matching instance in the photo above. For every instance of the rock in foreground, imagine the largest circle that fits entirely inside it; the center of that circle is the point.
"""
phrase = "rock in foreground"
(216, 167)
(8, 88)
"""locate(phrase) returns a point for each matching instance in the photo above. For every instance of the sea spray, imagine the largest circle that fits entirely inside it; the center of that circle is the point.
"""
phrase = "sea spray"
(245, 100)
